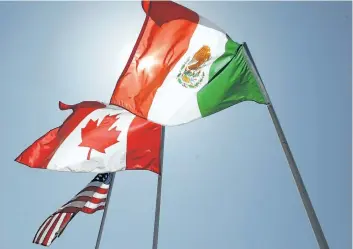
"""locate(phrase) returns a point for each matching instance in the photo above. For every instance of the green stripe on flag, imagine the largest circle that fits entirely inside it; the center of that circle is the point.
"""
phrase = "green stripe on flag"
(231, 81)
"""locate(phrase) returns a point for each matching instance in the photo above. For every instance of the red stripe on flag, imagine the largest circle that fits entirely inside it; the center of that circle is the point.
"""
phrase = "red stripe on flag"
(70, 210)
(90, 210)
(39, 154)
(90, 199)
(163, 40)
(143, 146)
(65, 221)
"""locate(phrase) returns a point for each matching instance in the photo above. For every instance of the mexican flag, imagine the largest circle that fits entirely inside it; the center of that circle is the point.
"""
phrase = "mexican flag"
(183, 67)
(97, 138)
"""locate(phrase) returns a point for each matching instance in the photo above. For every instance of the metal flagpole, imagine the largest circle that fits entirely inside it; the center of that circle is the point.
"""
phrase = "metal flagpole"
(158, 198)
(320, 237)
(105, 212)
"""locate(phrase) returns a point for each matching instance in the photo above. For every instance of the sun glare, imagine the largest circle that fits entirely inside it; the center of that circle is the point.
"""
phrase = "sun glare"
(146, 63)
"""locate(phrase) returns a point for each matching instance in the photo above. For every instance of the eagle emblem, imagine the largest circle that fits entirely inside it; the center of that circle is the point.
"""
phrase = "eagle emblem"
(191, 74)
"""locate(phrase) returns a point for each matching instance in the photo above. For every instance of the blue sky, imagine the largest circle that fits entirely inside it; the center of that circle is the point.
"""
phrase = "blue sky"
(226, 180)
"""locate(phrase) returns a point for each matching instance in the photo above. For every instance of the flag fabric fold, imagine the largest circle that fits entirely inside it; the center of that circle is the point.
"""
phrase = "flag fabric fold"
(97, 138)
(89, 200)
(183, 67)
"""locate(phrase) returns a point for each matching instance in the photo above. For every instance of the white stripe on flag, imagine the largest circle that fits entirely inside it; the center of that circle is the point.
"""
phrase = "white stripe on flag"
(93, 205)
(81, 204)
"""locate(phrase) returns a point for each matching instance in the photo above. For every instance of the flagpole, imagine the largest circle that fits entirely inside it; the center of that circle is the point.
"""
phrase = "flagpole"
(158, 197)
(315, 224)
(105, 212)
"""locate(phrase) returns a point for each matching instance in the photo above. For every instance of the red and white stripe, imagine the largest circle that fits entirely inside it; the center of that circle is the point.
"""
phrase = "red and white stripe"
(89, 200)
(51, 228)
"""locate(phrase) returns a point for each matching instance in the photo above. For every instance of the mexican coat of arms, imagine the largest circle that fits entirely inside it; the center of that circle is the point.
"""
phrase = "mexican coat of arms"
(191, 74)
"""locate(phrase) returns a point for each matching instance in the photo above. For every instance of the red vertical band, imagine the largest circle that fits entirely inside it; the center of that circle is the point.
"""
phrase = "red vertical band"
(143, 146)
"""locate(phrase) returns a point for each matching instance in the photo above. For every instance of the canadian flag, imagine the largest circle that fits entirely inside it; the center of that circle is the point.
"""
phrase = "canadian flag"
(97, 138)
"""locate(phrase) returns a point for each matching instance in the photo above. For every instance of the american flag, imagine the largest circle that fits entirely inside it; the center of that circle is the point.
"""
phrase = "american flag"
(89, 200)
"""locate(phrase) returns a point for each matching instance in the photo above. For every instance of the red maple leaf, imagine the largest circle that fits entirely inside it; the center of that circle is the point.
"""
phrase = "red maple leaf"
(99, 137)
